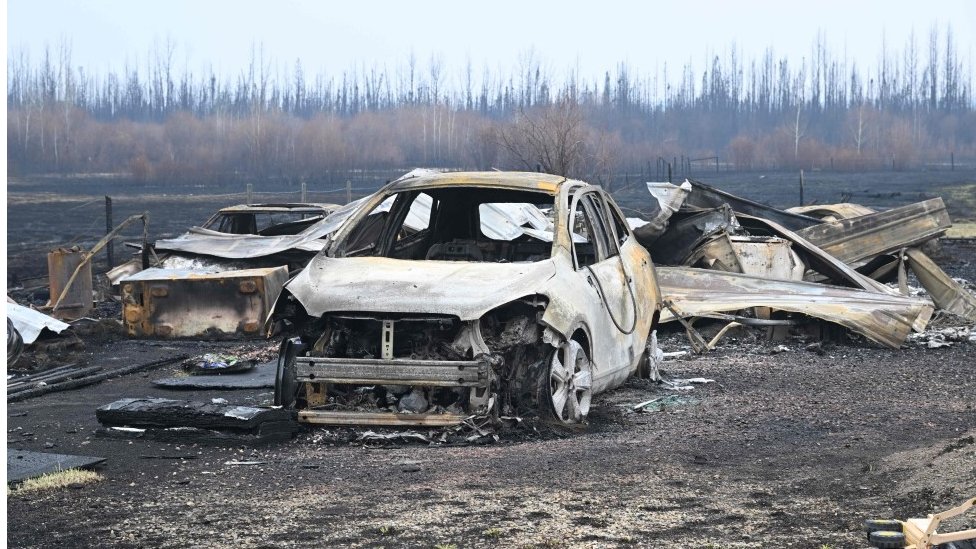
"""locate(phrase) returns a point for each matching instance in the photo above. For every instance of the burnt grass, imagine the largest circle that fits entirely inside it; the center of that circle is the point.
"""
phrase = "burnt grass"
(787, 448)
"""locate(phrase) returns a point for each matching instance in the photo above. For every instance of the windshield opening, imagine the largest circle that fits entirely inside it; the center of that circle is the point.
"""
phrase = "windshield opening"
(456, 224)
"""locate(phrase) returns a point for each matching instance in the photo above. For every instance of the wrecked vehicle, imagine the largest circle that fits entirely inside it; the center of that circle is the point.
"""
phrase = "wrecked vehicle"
(267, 235)
(397, 327)
(220, 279)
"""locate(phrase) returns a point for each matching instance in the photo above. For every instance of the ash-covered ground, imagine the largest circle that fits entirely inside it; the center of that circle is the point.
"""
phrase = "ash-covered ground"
(793, 444)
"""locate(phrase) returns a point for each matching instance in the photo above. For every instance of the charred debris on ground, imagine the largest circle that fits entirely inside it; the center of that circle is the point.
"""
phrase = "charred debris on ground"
(721, 264)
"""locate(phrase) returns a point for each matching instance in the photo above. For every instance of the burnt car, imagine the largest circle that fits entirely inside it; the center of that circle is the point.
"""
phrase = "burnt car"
(467, 313)
(254, 235)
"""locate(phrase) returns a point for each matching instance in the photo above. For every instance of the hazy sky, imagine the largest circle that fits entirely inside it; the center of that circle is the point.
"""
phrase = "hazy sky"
(593, 35)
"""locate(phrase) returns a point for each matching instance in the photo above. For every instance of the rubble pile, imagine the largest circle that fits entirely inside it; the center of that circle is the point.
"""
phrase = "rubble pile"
(717, 253)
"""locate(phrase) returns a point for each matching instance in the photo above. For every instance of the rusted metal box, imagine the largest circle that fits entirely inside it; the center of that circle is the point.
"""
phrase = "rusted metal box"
(199, 303)
(61, 264)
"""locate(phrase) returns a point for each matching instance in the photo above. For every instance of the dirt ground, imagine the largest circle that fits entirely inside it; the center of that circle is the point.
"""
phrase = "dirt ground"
(786, 448)
(789, 447)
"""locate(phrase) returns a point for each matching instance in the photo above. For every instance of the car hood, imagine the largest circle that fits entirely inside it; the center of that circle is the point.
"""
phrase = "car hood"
(382, 285)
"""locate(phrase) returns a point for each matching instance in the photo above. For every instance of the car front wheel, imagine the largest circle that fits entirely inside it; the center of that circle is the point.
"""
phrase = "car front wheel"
(570, 386)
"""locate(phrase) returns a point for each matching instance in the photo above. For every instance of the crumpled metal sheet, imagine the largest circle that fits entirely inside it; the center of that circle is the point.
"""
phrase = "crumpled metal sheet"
(243, 246)
(948, 294)
(31, 323)
(831, 212)
(704, 197)
(857, 240)
(818, 260)
(883, 318)
(768, 256)
(688, 230)
(667, 200)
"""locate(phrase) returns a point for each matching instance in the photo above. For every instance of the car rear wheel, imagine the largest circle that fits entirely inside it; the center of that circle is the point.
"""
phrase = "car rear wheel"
(570, 386)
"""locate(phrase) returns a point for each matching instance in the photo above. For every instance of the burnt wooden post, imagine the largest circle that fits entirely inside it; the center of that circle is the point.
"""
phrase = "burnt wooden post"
(304, 192)
(669, 173)
(110, 247)
(952, 161)
(801, 187)
(716, 164)
(348, 191)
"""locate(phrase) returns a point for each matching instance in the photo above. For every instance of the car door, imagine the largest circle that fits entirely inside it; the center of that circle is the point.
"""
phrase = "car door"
(610, 302)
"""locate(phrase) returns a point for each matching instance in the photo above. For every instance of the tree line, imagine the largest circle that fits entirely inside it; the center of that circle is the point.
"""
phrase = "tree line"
(156, 121)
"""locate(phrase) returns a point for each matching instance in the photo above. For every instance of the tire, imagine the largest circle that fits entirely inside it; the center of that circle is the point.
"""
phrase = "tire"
(286, 375)
(15, 343)
(873, 525)
(566, 389)
(887, 539)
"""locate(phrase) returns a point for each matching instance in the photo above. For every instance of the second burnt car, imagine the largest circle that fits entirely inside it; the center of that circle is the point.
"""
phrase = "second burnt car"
(468, 312)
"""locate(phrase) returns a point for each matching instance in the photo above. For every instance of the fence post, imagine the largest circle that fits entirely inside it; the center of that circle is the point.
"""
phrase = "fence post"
(304, 193)
(250, 189)
(110, 247)
(348, 191)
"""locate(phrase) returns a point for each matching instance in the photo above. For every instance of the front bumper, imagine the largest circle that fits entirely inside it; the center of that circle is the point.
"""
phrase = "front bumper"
(316, 373)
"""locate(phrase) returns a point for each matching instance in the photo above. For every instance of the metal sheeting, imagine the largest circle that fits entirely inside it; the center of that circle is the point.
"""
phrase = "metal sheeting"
(243, 246)
(884, 318)
(705, 197)
(948, 294)
(194, 303)
(857, 240)
(31, 323)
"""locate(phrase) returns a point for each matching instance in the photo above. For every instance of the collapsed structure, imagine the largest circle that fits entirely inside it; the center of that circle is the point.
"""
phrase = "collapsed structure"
(723, 253)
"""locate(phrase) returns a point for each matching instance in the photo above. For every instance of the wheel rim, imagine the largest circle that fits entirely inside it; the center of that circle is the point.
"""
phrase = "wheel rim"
(570, 383)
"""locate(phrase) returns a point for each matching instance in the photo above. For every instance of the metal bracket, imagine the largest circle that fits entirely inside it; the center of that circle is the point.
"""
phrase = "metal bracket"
(386, 340)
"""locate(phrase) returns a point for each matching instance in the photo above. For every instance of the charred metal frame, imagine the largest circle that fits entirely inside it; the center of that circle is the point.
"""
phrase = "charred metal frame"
(390, 371)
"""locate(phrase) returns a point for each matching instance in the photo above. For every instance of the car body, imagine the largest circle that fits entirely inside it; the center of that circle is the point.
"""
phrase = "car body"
(429, 325)
(256, 235)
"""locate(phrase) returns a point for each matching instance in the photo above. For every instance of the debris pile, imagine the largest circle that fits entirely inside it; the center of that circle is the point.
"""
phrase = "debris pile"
(718, 254)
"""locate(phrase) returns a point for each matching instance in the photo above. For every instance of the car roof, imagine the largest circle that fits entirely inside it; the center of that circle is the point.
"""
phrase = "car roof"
(309, 207)
(526, 181)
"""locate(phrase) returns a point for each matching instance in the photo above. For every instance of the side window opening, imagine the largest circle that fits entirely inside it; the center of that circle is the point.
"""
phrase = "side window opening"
(582, 232)
(619, 224)
(602, 229)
